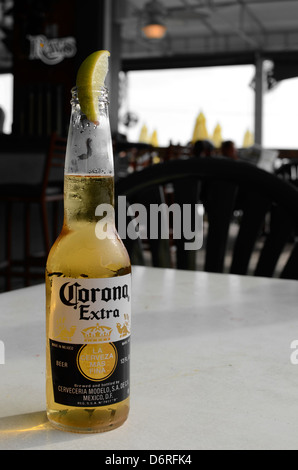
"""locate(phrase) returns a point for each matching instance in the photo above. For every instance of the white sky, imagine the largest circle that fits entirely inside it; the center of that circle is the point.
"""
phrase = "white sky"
(170, 101)
(6, 99)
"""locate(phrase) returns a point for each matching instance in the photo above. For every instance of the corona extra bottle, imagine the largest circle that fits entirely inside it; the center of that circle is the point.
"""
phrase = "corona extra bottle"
(88, 287)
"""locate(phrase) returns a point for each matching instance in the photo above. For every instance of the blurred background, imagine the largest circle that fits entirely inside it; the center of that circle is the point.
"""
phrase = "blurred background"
(180, 71)
(234, 61)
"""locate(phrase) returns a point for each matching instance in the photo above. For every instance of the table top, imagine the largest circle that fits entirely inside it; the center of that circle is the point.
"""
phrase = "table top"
(211, 366)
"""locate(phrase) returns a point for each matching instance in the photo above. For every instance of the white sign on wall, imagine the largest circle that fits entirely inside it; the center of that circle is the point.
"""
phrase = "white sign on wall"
(51, 51)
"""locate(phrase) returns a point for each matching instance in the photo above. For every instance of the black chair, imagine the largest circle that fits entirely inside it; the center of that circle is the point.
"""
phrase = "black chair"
(49, 190)
(289, 171)
(222, 186)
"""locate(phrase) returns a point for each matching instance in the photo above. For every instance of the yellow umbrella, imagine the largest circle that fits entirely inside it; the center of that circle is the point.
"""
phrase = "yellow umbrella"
(217, 137)
(144, 134)
(248, 139)
(154, 139)
(200, 129)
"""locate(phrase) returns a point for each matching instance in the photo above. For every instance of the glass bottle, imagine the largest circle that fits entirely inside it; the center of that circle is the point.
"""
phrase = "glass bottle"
(88, 288)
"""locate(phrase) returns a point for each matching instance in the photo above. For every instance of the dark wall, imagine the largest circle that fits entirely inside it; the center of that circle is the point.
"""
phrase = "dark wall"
(42, 81)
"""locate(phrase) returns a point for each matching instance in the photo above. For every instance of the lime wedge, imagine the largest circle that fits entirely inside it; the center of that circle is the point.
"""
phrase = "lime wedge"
(90, 78)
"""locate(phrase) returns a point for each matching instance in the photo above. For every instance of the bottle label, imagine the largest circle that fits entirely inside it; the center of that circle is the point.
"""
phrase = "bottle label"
(89, 335)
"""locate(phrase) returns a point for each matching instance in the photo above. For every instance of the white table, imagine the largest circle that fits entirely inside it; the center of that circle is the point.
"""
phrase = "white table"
(210, 368)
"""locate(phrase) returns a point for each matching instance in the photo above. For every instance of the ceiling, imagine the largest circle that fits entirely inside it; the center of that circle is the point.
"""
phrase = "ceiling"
(199, 33)
(202, 32)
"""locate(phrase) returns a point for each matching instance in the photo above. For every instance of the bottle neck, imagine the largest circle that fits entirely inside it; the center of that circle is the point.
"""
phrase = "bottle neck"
(82, 197)
(89, 145)
(89, 171)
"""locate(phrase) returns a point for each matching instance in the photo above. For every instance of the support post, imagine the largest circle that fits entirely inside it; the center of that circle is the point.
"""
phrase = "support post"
(112, 43)
(259, 92)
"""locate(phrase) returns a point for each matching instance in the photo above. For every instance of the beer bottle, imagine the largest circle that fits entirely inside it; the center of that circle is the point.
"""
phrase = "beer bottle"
(88, 287)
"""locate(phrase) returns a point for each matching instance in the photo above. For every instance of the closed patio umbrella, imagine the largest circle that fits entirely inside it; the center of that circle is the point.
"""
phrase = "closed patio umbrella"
(248, 139)
(200, 130)
(154, 139)
(217, 137)
(144, 134)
